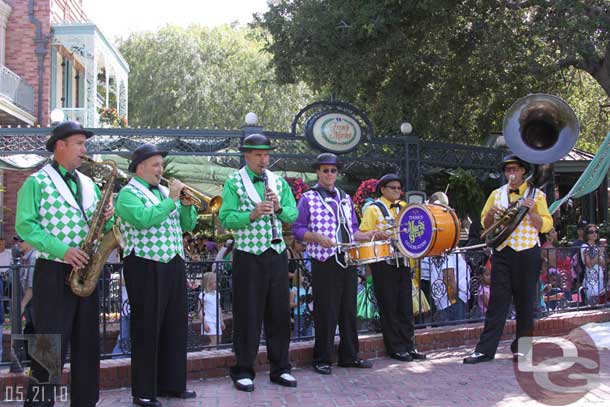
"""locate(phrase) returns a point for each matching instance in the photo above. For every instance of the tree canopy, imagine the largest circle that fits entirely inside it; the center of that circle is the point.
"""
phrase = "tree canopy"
(206, 78)
(452, 68)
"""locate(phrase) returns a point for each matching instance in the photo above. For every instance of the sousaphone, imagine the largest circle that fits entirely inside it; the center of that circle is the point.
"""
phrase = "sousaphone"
(540, 129)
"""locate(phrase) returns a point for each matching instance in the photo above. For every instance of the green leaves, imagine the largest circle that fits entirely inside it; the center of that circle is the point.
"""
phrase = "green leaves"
(206, 78)
(451, 68)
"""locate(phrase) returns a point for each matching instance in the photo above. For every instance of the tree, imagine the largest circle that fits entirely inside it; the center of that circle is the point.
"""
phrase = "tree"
(451, 68)
(206, 78)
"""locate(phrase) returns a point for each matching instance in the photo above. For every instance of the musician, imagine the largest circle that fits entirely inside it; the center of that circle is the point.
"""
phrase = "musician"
(54, 210)
(392, 281)
(327, 219)
(255, 203)
(153, 218)
(515, 264)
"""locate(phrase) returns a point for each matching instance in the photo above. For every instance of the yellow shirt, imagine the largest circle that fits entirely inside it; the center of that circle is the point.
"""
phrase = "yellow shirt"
(525, 234)
(373, 218)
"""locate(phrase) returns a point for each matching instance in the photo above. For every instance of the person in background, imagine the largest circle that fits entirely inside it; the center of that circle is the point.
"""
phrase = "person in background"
(6, 259)
(483, 291)
(593, 253)
(212, 321)
(299, 303)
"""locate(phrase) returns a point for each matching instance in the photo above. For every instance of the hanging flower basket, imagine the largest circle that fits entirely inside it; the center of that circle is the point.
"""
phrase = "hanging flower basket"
(365, 194)
(298, 186)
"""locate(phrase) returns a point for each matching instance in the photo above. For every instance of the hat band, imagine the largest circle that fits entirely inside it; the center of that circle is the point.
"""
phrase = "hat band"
(257, 147)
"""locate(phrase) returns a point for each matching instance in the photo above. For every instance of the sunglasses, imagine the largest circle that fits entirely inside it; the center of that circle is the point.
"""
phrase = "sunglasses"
(329, 170)
(592, 231)
(394, 188)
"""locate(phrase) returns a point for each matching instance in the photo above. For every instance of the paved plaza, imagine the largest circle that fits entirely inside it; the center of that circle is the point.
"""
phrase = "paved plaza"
(441, 381)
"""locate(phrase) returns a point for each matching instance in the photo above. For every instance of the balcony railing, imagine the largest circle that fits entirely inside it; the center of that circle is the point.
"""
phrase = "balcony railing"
(16, 90)
(78, 114)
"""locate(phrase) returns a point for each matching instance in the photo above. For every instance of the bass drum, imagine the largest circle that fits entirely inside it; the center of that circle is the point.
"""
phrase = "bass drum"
(427, 230)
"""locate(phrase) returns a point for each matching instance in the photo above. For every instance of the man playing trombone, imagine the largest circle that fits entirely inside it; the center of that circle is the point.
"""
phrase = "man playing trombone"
(392, 278)
(153, 218)
(255, 203)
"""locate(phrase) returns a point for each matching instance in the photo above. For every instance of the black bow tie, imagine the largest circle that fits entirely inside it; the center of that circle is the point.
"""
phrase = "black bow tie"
(395, 205)
(153, 187)
(513, 191)
(68, 176)
(258, 179)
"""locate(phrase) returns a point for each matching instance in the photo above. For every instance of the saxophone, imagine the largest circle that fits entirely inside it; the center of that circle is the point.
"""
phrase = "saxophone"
(97, 245)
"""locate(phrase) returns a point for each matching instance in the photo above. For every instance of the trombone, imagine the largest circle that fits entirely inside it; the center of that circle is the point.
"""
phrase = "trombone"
(198, 198)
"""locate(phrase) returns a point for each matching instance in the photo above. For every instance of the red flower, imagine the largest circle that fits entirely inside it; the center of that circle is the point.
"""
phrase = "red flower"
(297, 186)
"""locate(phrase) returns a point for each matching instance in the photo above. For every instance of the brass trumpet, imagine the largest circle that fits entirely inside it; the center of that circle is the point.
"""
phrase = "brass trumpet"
(198, 198)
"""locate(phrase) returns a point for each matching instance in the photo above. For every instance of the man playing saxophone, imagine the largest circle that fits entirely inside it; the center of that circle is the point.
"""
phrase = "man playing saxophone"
(260, 263)
(515, 263)
(54, 210)
(153, 218)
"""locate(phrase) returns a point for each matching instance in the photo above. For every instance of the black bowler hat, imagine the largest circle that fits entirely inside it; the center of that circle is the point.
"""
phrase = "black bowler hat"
(326, 159)
(66, 129)
(513, 159)
(256, 142)
(18, 239)
(142, 153)
(386, 179)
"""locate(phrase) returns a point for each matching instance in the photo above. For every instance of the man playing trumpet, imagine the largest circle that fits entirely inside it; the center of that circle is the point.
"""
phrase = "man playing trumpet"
(255, 203)
(153, 218)
(392, 281)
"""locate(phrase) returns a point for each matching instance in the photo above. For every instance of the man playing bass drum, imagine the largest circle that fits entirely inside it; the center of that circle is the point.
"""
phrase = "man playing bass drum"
(392, 281)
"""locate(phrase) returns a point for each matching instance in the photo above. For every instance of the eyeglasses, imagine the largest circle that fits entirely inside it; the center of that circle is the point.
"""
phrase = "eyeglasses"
(592, 231)
(394, 188)
(331, 170)
(512, 169)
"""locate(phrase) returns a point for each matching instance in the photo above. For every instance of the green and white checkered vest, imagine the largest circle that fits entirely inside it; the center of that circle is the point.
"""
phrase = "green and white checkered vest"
(60, 215)
(158, 243)
(255, 238)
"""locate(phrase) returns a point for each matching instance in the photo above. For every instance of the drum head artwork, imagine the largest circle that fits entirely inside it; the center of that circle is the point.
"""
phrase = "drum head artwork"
(415, 233)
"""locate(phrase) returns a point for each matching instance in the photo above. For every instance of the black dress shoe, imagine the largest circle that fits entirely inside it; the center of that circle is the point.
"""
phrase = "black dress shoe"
(186, 394)
(477, 357)
(358, 363)
(402, 356)
(146, 402)
(417, 355)
(322, 368)
(244, 387)
(286, 380)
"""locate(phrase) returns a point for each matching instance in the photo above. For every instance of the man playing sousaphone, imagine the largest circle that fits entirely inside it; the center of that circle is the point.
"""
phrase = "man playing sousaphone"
(515, 263)
(326, 220)
(391, 278)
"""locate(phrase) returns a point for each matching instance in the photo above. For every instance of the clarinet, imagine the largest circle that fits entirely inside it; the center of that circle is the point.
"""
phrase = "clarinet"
(275, 237)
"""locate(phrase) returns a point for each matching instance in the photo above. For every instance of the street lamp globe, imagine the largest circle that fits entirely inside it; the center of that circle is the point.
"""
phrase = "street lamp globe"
(406, 128)
(251, 119)
(57, 116)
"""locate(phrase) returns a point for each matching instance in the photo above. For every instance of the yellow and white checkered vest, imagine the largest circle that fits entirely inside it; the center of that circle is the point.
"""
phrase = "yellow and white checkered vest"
(525, 236)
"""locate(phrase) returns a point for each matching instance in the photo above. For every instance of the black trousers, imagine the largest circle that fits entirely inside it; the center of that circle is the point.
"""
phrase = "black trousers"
(334, 299)
(157, 297)
(513, 274)
(393, 287)
(260, 293)
(58, 311)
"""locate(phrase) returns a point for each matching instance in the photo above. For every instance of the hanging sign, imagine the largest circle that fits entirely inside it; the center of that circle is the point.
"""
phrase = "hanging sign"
(334, 132)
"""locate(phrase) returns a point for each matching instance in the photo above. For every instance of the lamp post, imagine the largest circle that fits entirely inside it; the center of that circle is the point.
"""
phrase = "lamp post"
(57, 116)
(406, 129)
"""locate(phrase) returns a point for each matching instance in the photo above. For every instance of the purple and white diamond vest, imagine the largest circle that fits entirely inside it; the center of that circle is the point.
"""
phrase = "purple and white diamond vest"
(323, 221)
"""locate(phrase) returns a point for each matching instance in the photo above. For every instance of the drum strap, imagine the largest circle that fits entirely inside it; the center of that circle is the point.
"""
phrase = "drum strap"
(384, 211)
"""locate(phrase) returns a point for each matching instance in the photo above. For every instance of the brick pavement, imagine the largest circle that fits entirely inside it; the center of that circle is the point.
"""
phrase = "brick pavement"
(441, 381)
